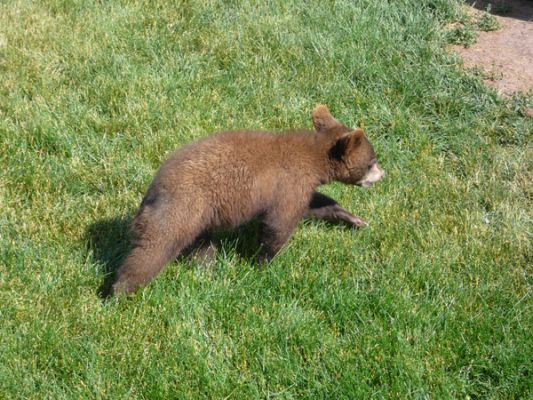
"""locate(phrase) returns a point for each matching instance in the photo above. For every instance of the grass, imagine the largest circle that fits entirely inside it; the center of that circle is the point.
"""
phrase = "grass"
(464, 29)
(433, 300)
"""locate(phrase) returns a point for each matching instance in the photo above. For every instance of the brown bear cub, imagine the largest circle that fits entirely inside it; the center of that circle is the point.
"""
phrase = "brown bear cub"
(227, 179)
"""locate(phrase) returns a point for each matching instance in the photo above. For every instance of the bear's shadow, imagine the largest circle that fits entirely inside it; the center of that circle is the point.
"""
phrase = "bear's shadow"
(109, 240)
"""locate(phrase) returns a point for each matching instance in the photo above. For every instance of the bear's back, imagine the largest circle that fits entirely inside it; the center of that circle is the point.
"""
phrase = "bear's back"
(237, 174)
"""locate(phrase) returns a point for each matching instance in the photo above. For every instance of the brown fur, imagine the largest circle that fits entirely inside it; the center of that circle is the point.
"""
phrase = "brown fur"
(230, 178)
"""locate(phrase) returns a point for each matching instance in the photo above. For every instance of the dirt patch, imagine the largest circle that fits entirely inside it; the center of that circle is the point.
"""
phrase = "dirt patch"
(506, 55)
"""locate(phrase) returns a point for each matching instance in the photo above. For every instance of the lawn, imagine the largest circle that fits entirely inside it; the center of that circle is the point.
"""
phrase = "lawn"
(432, 300)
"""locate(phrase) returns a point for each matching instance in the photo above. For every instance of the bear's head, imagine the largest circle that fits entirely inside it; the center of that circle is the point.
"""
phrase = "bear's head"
(352, 156)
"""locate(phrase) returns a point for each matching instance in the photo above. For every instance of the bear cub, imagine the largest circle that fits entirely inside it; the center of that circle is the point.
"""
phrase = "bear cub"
(229, 178)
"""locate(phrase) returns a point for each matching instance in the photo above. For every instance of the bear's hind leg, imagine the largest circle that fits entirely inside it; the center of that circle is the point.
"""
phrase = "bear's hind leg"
(156, 244)
(143, 263)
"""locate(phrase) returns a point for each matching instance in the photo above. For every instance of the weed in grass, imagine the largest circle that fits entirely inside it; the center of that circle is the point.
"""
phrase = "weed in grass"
(464, 35)
(487, 22)
(464, 30)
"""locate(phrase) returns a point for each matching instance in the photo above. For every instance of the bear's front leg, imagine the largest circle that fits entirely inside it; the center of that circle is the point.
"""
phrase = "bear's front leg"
(327, 209)
(277, 227)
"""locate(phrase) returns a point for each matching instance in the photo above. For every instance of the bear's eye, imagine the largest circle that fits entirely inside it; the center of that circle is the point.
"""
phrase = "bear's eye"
(371, 164)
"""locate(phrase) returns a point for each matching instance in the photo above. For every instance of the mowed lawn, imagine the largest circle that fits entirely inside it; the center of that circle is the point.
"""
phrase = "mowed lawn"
(432, 301)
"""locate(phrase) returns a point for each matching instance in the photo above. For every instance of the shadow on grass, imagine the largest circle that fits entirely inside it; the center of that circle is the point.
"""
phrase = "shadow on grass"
(110, 240)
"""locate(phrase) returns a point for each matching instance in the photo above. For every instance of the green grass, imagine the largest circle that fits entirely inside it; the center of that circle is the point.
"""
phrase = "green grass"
(464, 30)
(433, 300)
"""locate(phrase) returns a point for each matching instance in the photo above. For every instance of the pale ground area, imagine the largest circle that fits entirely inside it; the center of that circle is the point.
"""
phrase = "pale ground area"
(505, 55)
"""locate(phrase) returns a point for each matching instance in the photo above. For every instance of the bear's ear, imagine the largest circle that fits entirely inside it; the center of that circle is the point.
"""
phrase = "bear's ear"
(322, 118)
(346, 143)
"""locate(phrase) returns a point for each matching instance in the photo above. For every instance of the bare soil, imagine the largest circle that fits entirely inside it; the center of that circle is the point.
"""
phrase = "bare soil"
(505, 55)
